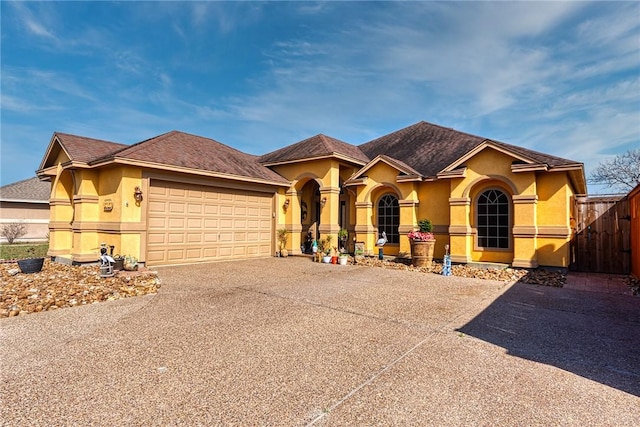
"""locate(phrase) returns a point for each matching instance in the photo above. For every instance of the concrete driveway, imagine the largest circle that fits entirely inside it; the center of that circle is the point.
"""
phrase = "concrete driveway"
(287, 342)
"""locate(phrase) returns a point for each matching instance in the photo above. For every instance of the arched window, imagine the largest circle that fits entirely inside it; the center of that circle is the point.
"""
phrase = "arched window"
(492, 214)
(389, 217)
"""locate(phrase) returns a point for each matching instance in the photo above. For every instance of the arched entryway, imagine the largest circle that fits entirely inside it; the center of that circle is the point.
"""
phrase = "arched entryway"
(310, 202)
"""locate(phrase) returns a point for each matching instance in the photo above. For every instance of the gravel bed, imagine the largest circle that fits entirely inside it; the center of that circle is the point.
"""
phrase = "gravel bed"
(61, 286)
(538, 276)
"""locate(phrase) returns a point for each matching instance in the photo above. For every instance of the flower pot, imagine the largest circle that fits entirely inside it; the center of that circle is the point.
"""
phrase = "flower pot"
(334, 260)
(284, 253)
(30, 265)
(119, 264)
(343, 260)
(422, 253)
(326, 259)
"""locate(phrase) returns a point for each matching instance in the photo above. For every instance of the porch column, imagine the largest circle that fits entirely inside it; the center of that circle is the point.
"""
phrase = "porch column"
(329, 213)
(408, 221)
(460, 231)
(365, 231)
(293, 221)
(525, 231)
(85, 229)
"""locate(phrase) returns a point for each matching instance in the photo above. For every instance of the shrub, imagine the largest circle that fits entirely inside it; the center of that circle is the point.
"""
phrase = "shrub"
(425, 226)
(13, 231)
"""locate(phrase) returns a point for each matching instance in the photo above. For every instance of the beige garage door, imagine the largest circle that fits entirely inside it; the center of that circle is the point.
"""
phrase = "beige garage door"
(191, 223)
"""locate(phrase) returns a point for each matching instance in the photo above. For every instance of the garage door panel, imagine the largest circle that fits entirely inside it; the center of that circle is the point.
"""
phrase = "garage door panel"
(175, 207)
(225, 251)
(195, 223)
(156, 238)
(194, 238)
(209, 253)
(177, 192)
(194, 208)
(191, 223)
(175, 255)
(155, 256)
(194, 254)
(156, 223)
(176, 238)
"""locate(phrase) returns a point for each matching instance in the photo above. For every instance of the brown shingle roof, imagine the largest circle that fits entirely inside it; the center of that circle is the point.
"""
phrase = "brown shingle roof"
(27, 189)
(196, 152)
(83, 149)
(430, 148)
(316, 146)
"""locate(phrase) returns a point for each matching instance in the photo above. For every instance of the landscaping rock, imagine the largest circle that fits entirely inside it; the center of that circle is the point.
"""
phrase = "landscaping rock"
(535, 276)
(61, 286)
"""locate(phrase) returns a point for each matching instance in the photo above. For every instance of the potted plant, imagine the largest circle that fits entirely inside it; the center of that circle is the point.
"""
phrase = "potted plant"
(283, 234)
(343, 235)
(422, 244)
(343, 258)
(334, 255)
(32, 264)
(326, 249)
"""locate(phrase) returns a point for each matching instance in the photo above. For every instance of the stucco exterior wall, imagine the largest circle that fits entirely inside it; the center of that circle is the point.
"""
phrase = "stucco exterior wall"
(34, 216)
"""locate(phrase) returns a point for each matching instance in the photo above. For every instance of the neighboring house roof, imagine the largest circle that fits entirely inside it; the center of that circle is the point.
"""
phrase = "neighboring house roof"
(319, 146)
(30, 190)
(191, 152)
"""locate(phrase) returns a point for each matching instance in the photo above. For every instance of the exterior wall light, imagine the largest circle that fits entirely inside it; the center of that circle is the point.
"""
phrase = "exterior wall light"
(137, 194)
(286, 204)
(323, 201)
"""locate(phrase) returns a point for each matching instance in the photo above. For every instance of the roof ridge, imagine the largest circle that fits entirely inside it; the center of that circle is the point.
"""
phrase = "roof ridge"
(325, 141)
(85, 137)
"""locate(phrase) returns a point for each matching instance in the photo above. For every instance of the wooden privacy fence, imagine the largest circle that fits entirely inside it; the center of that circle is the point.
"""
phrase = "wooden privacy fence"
(601, 241)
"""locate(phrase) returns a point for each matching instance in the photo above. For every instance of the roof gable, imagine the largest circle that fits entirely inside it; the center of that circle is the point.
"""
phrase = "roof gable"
(402, 168)
(319, 146)
(78, 149)
(431, 149)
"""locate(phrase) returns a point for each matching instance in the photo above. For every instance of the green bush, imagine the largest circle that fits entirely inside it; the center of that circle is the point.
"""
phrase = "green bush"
(425, 226)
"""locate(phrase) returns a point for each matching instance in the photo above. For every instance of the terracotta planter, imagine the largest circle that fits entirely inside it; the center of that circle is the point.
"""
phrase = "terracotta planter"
(422, 253)
(334, 260)
(30, 265)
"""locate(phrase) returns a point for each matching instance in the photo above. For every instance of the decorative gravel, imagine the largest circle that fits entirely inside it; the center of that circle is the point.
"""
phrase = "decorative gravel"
(60, 285)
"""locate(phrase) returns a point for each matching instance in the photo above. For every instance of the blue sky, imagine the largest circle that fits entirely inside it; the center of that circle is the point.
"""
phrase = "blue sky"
(558, 77)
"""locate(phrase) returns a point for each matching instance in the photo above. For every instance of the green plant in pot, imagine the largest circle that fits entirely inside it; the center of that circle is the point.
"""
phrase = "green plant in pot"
(422, 244)
(343, 235)
(327, 249)
(343, 257)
